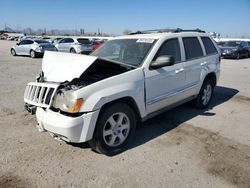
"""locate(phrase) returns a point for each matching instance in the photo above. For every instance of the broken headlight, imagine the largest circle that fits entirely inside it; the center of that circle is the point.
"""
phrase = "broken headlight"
(66, 102)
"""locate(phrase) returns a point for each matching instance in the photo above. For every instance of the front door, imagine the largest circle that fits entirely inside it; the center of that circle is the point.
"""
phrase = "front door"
(163, 85)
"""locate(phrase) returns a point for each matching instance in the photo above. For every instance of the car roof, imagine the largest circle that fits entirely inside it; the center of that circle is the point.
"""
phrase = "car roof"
(162, 35)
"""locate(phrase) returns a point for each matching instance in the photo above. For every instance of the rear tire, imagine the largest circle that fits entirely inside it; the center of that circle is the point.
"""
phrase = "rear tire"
(72, 50)
(33, 54)
(205, 95)
(114, 130)
(13, 52)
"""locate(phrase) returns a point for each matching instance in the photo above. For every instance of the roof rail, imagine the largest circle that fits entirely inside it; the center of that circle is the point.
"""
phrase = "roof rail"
(177, 30)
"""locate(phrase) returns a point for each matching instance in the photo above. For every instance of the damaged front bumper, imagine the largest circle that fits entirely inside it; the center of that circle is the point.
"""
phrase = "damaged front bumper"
(70, 129)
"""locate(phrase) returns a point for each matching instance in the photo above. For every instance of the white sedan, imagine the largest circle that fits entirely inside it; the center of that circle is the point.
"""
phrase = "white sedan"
(32, 47)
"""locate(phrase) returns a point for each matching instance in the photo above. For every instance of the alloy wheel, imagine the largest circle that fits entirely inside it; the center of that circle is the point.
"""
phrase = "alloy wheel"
(116, 129)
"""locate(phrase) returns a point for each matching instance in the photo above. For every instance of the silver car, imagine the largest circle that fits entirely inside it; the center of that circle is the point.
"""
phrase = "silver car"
(75, 45)
(32, 48)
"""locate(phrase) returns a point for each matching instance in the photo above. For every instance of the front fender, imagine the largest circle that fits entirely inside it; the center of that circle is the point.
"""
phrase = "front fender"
(130, 84)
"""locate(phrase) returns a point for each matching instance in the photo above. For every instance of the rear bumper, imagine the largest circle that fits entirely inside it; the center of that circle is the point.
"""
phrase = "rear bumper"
(70, 129)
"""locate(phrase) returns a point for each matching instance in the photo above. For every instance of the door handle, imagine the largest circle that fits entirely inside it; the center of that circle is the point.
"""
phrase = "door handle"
(179, 70)
(204, 63)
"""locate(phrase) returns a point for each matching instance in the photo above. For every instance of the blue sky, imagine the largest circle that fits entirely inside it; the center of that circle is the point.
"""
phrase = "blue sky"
(229, 17)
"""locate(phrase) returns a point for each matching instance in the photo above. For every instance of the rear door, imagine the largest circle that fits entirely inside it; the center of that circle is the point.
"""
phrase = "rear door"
(195, 61)
(163, 85)
(68, 44)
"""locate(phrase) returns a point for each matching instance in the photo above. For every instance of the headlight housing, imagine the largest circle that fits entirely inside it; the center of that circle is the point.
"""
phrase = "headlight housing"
(66, 102)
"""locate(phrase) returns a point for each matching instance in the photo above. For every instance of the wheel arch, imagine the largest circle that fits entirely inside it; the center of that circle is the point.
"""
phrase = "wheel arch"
(72, 48)
(126, 100)
(211, 76)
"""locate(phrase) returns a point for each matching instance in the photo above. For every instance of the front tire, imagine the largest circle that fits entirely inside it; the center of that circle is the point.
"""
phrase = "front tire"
(33, 54)
(13, 52)
(205, 95)
(114, 130)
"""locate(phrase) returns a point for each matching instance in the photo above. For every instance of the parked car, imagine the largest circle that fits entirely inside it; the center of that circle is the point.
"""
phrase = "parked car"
(33, 48)
(96, 44)
(2, 37)
(11, 38)
(74, 45)
(100, 98)
(234, 49)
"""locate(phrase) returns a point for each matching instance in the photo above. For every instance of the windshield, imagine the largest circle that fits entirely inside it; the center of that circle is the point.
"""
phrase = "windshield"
(231, 44)
(127, 51)
(41, 41)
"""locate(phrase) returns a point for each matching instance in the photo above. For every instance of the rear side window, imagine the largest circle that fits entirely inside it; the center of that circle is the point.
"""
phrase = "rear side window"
(192, 47)
(209, 46)
(68, 40)
(170, 47)
(83, 41)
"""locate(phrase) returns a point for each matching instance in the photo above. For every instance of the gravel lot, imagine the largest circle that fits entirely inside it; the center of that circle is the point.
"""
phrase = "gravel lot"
(183, 147)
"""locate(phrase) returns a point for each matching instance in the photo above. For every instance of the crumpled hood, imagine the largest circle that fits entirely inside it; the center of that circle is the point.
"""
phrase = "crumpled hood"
(61, 67)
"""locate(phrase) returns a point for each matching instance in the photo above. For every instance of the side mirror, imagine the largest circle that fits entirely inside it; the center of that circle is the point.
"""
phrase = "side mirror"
(17, 44)
(162, 61)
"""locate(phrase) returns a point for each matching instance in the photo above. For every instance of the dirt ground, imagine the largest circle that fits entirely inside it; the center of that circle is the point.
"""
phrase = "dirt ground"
(183, 147)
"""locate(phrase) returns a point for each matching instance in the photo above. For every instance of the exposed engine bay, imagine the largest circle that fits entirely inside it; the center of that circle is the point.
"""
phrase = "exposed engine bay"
(99, 70)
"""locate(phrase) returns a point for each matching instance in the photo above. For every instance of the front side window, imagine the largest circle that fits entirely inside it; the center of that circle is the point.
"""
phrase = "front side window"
(192, 47)
(170, 47)
(209, 46)
(22, 42)
(126, 51)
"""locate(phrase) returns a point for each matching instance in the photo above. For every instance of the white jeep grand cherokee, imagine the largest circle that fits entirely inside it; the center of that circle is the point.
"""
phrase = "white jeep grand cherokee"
(99, 98)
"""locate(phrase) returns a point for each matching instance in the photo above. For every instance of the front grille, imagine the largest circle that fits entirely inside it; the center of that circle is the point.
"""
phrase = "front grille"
(39, 94)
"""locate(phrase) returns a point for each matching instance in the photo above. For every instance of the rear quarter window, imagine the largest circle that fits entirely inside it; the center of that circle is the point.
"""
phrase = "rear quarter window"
(192, 47)
(209, 46)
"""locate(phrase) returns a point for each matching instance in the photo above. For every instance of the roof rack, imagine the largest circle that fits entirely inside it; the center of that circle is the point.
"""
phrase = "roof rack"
(177, 30)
